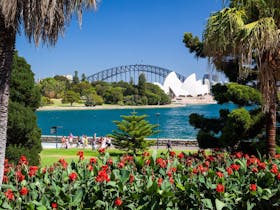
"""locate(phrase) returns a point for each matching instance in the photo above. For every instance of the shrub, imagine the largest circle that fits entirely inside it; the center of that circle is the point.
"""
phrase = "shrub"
(45, 101)
(168, 181)
(14, 152)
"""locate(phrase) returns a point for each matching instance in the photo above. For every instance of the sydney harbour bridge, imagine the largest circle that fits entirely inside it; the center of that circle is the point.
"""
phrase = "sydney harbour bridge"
(131, 72)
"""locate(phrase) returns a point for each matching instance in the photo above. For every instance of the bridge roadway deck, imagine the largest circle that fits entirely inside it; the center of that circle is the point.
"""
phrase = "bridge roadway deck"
(161, 141)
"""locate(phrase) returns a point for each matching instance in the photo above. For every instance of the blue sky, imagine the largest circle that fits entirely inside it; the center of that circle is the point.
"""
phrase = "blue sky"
(124, 32)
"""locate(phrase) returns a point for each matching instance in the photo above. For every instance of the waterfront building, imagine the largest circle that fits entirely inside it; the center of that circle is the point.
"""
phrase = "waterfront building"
(189, 88)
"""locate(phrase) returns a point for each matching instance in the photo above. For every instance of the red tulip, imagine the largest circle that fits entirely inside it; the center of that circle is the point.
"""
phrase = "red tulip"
(9, 194)
(73, 176)
(253, 187)
(220, 188)
(118, 202)
(54, 205)
(23, 191)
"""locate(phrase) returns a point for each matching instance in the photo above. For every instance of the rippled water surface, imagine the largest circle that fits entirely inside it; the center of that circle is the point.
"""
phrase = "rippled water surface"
(174, 122)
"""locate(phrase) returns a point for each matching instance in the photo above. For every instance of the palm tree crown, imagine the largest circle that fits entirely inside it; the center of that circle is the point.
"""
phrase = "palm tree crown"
(42, 20)
(249, 31)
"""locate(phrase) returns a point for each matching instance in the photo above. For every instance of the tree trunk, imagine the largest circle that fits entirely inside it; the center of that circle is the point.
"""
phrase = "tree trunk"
(7, 42)
(271, 130)
(269, 91)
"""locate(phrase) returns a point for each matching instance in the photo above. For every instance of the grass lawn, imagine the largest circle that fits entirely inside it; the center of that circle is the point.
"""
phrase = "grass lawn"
(50, 156)
(58, 103)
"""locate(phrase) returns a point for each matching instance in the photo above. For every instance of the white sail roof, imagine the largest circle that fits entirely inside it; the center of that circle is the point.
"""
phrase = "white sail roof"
(190, 86)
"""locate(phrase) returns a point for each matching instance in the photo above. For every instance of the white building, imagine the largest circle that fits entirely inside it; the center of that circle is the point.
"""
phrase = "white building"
(190, 87)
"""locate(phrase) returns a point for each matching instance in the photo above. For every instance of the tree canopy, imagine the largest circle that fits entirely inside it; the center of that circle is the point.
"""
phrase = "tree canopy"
(23, 134)
(131, 133)
(249, 31)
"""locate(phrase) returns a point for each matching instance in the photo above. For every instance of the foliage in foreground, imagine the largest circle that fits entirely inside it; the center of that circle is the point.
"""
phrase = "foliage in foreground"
(169, 181)
(23, 134)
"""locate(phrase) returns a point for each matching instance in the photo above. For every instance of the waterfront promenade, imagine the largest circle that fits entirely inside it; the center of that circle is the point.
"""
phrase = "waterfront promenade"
(50, 141)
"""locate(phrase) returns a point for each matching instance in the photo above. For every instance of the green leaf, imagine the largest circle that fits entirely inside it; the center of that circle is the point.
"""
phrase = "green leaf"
(181, 187)
(112, 184)
(6, 206)
(201, 179)
(37, 203)
(154, 156)
(78, 197)
(100, 203)
(131, 206)
(124, 175)
(6, 186)
(219, 204)
(150, 182)
(250, 205)
(207, 203)
(41, 208)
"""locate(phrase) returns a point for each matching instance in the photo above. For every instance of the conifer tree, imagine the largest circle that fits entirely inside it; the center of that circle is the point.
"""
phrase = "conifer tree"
(131, 133)
(231, 129)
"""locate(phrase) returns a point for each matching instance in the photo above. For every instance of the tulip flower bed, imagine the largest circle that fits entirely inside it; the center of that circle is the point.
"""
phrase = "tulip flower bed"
(166, 181)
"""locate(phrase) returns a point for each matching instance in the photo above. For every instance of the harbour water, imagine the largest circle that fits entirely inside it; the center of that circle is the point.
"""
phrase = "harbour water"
(174, 122)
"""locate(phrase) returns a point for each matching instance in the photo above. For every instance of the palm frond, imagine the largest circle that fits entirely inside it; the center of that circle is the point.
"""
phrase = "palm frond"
(220, 31)
(257, 37)
(43, 20)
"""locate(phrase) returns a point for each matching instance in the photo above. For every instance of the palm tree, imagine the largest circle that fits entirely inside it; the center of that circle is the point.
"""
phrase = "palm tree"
(42, 21)
(249, 30)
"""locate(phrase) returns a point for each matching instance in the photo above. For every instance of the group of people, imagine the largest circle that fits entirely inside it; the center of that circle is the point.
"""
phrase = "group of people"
(84, 142)
(101, 143)
(67, 142)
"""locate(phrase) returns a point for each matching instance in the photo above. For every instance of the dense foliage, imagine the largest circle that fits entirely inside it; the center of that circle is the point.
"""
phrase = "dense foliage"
(249, 31)
(234, 127)
(97, 93)
(131, 133)
(166, 181)
(23, 134)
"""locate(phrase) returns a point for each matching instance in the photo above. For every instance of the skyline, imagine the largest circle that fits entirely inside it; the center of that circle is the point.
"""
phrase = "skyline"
(125, 32)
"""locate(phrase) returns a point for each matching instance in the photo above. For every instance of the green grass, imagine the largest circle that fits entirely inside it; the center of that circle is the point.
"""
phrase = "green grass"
(58, 103)
(50, 156)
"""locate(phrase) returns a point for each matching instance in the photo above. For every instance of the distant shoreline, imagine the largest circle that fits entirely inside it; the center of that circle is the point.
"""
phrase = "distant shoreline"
(105, 107)
(181, 102)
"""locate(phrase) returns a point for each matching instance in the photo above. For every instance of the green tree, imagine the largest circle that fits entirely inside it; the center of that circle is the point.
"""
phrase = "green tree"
(23, 88)
(76, 79)
(231, 129)
(64, 81)
(39, 21)
(131, 133)
(249, 30)
(156, 95)
(84, 78)
(142, 84)
(128, 89)
(71, 97)
(92, 97)
(23, 134)
(52, 88)
(113, 95)
(101, 87)
(229, 65)
(82, 88)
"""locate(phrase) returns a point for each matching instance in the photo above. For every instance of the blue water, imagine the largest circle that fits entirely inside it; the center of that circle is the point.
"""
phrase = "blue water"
(174, 122)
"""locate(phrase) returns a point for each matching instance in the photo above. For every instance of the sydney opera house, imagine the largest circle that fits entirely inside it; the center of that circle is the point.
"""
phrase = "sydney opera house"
(189, 88)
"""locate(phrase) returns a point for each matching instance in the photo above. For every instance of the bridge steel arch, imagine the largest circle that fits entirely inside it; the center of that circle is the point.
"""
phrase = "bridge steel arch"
(114, 72)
